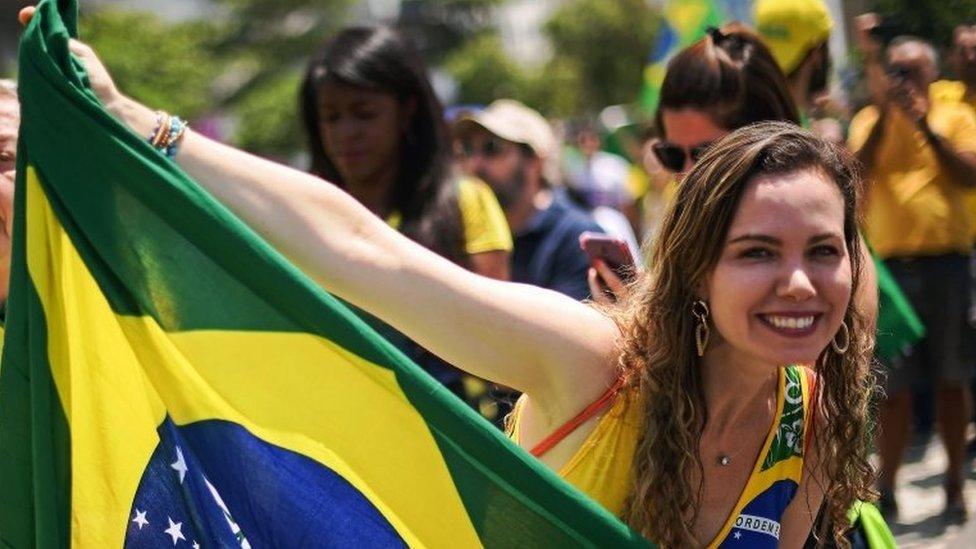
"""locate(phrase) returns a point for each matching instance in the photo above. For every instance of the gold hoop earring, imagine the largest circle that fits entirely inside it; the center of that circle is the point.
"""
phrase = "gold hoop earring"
(838, 348)
(699, 309)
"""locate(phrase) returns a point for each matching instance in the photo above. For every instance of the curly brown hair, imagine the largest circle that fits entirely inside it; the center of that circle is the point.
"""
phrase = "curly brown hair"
(658, 355)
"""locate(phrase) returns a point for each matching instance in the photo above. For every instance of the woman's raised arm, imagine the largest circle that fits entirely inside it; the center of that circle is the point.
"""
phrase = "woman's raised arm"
(535, 340)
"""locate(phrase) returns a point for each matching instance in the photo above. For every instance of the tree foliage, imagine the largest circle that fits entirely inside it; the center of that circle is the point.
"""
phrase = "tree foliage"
(266, 40)
(609, 42)
(245, 62)
(933, 20)
(599, 52)
(268, 118)
(168, 66)
(484, 72)
(440, 27)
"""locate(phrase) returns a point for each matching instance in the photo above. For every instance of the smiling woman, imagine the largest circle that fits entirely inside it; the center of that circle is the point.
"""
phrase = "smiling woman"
(763, 231)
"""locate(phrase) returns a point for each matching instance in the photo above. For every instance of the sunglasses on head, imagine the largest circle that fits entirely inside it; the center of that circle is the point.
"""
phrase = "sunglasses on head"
(673, 157)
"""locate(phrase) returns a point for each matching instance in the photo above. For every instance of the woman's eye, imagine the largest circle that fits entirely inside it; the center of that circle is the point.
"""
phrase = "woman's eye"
(365, 115)
(756, 253)
(330, 117)
(825, 251)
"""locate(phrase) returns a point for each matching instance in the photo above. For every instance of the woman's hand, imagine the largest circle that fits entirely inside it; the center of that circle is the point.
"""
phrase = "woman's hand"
(605, 286)
(99, 79)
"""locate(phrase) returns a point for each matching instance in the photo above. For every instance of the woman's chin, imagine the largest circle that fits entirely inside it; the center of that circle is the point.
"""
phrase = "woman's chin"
(795, 356)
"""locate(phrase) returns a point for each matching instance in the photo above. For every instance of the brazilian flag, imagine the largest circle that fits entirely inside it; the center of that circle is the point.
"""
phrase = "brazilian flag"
(683, 23)
(169, 380)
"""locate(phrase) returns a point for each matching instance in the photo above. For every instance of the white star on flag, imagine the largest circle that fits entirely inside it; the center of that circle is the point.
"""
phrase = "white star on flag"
(140, 518)
(196, 545)
(179, 464)
(175, 530)
(737, 535)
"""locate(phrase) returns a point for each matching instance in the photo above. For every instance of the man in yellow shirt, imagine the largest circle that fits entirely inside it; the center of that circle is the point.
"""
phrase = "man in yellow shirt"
(920, 159)
(962, 60)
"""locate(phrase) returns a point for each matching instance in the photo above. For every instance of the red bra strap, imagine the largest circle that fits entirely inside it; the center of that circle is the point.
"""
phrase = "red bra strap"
(593, 409)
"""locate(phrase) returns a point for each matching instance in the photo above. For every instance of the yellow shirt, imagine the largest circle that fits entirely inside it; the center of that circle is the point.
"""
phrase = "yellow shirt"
(485, 226)
(913, 208)
(601, 467)
(638, 183)
(951, 91)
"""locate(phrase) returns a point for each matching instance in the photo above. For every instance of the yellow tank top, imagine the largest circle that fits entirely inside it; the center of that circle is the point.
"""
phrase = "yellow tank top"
(602, 466)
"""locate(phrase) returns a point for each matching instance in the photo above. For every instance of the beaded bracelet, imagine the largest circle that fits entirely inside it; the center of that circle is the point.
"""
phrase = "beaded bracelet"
(177, 130)
(161, 129)
(168, 133)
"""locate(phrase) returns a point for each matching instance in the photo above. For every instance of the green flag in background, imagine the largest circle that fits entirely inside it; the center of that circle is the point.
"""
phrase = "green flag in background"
(683, 23)
(170, 380)
(899, 326)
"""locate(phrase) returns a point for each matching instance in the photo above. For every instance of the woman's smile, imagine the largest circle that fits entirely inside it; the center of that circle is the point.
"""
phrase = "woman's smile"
(791, 324)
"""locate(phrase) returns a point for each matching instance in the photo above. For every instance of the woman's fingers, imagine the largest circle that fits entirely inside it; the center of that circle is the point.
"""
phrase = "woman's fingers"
(597, 289)
(98, 76)
(100, 80)
(610, 278)
(25, 15)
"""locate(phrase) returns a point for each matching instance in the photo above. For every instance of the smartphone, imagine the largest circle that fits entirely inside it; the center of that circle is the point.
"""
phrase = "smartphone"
(611, 250)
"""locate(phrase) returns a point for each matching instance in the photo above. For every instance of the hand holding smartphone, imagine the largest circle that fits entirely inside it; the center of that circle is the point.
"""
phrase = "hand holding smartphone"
(612, 251)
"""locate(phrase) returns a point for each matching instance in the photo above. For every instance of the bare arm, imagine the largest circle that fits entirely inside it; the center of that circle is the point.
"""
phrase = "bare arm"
(493, 264)
(525, 337)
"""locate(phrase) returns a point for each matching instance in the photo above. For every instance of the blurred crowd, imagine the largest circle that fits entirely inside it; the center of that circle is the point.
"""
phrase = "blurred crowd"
(568, 204)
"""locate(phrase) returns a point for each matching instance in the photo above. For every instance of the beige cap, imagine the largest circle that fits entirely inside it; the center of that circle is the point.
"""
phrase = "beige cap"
(513, 121)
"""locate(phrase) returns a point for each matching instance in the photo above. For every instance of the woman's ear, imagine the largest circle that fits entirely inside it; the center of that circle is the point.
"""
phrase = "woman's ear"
(700, 290)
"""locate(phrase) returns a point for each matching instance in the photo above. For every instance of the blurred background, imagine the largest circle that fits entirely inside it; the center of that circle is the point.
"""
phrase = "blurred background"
(234, 66)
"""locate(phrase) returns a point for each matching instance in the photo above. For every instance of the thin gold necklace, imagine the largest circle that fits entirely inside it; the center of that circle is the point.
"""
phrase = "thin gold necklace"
(724, 459)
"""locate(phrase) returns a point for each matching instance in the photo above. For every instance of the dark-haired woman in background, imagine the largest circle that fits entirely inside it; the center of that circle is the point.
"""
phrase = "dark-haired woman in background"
(727, 80)
(376, 129)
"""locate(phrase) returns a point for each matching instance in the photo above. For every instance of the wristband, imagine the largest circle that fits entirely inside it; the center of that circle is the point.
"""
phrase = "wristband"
(159, 132)
(168, 133)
